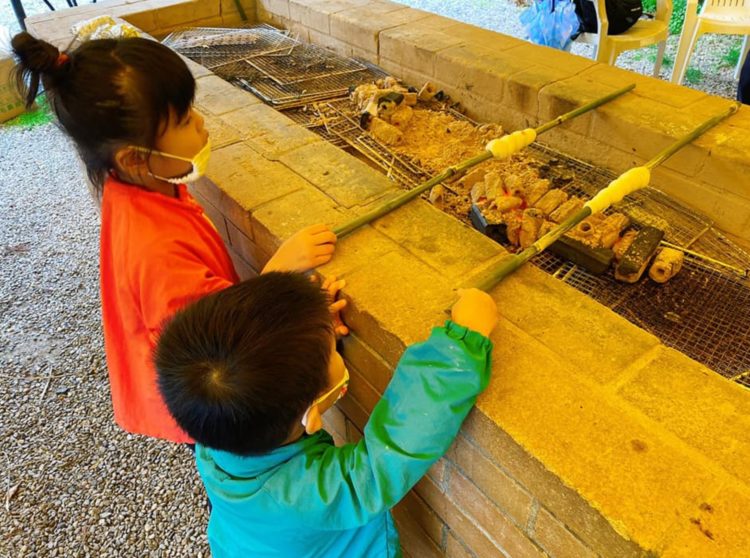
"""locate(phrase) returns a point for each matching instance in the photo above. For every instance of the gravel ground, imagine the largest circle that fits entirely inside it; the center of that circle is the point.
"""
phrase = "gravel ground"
(711, 73)
(84, 487)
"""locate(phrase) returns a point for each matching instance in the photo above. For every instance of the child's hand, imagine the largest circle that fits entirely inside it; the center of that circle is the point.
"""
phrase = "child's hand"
(304, 251)
(476, 310)
(332, 287)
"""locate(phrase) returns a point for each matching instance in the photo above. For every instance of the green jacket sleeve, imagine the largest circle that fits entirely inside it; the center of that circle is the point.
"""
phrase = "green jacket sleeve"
(433, 388)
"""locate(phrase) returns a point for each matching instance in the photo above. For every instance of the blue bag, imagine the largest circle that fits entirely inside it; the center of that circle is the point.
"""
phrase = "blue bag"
(551, 23)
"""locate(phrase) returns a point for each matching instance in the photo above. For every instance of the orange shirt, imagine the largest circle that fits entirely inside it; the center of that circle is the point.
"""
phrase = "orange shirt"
(157, 254)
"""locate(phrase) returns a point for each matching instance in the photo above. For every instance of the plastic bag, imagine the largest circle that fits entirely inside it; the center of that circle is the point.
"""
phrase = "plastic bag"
(551, 23)
(103, 27)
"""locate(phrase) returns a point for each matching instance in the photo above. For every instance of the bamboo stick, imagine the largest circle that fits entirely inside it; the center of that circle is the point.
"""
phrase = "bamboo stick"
(627, 183)
(499, 148)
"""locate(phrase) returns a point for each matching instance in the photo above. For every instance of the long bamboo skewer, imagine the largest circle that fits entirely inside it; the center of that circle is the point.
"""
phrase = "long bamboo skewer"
(625, 184)
(500, 148)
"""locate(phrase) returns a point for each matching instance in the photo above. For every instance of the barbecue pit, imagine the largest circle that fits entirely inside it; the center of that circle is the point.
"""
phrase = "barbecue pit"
(704, 311)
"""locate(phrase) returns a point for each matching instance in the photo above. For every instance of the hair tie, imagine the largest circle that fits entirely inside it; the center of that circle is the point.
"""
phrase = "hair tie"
(62, 59)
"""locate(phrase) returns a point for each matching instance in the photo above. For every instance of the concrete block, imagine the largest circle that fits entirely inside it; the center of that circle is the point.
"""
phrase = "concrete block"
(217, 96)
(247, 180)
(717, 526)
(401, 280)
(221, 133)
(577, 328)
(268, 131)
(547, 56)
(315, 14)
(719, 203)
(478, 37)
(275, 7)
(360, 26)
(586, 429)
(522, 88)
(665, 390)
(213, 213)
(244, 270)
(645, 127)
(229, 8)
(408, 75)
(478, 70)
(344, 178)
(358, 250)
(564, 502)
(356, 418)
(646, 86)
(280, 218)
(361, 390)
(415, 47)
(196, 69)
(182, 12)
(448, 246)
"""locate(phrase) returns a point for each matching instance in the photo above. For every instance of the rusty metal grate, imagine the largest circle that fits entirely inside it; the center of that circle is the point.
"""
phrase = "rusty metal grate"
(271, 64)
(304, 63)
(214, 46)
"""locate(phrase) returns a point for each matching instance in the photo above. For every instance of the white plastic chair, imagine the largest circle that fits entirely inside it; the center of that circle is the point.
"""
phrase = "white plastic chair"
(726, 17)
(644, 33)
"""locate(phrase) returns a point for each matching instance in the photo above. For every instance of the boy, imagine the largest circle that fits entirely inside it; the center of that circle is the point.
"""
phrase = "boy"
(249, 371)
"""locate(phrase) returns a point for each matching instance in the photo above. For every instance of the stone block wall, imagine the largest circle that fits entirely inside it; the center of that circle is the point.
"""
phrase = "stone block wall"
(593, 439)
(507, 80)
(155, 17)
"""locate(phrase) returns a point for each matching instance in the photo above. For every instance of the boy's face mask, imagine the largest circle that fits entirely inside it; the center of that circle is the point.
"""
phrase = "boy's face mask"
(331, 396)
(199, 162)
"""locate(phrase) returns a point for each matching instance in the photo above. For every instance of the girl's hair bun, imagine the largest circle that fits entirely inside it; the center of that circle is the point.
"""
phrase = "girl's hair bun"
(35, 55)
(36, 59)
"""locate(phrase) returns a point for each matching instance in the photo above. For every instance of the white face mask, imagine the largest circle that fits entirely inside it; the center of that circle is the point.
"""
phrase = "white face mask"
(339, 390)
(199, 162)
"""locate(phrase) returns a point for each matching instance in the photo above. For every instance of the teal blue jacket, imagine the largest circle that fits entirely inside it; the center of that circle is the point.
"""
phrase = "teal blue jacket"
(310, 499)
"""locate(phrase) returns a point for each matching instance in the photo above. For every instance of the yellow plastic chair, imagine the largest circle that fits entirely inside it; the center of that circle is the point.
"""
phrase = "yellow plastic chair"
(644, 33)
(726, 17)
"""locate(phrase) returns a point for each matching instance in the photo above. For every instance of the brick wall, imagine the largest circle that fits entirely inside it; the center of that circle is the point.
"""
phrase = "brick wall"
(593, 439)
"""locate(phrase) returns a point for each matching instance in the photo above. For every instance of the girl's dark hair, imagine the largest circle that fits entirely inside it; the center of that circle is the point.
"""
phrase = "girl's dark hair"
(107, 94)
(238, 368)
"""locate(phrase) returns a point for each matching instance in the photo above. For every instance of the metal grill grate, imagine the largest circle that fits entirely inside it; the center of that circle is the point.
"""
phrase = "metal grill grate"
(304, 63)
(269, 63)
(704, 311)
(213, 46)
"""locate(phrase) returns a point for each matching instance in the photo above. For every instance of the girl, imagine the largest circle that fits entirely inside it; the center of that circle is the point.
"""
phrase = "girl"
(128, 106)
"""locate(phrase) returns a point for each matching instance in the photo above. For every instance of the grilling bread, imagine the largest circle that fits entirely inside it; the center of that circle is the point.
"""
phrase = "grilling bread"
(667, 264)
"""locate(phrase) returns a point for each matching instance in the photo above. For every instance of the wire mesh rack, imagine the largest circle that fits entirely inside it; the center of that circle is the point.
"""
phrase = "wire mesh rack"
(704, 311)
(272, 64)
(214, 46)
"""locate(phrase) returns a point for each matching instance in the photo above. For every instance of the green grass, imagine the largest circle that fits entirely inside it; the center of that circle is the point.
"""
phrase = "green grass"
(678, 13)
(731, 58)
(693, 76)
(39, 114)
